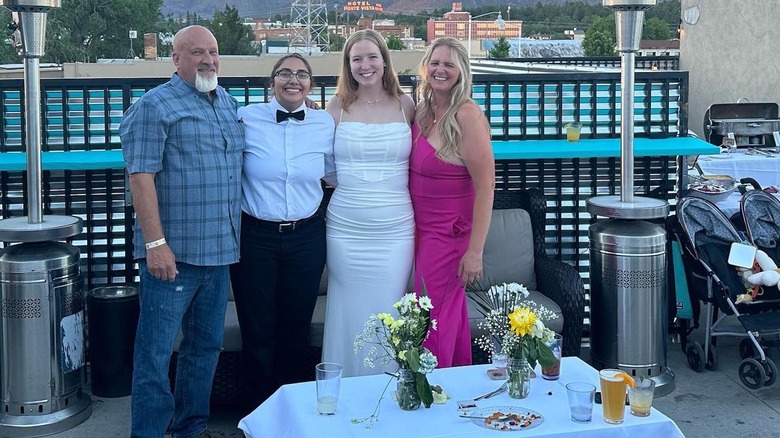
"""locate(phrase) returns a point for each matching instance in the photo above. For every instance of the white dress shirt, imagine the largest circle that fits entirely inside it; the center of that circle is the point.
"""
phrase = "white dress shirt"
(284, 162)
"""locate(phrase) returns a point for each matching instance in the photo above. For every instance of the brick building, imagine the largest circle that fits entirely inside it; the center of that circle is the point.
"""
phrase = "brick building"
(457, 24)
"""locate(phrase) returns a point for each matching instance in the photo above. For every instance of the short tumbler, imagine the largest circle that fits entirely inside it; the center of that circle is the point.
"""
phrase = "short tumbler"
(581, 395)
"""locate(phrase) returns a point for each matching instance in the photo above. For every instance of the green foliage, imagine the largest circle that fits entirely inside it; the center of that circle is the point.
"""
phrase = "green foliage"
(554, 19)
(394, 43)
(598, 43)
(336, 42)
(83, 30)
(500, 49)
(233, 36)
(656, 29)
(8, 54)
(600, 37)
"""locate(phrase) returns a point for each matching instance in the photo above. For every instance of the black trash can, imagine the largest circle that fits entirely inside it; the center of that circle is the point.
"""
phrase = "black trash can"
(112, 318)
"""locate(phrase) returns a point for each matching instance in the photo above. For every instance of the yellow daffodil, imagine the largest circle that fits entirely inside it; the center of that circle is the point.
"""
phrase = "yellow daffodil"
(522, 321)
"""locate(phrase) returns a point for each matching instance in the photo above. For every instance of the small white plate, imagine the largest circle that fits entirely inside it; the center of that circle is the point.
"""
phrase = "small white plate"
(526, 418)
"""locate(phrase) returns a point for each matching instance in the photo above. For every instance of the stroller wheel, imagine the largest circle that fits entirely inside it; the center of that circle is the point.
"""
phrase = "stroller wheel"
(712, 359)
(771, 371)
(752, 373)
(695, 355)
(747, 349)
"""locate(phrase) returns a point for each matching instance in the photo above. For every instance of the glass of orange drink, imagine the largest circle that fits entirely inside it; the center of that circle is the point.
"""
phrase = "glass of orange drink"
(613, 394)
(641, 397)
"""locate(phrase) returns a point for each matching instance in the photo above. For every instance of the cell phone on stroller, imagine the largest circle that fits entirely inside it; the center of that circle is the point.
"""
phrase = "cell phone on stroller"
(598, 398)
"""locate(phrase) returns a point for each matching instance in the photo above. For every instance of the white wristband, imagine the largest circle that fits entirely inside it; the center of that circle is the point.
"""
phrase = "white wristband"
(156, 243)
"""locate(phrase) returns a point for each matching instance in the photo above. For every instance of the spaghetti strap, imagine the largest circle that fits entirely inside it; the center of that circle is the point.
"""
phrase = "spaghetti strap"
(341, 116)
(403, 112)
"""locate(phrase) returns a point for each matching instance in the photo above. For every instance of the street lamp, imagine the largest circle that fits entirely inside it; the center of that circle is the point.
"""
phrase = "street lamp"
(499, 21)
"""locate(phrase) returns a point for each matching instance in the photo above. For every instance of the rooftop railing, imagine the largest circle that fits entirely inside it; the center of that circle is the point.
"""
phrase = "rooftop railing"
(84, 115)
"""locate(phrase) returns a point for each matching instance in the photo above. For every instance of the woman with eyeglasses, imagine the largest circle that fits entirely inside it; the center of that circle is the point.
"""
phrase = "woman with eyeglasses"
(370, 224)
(289, 149)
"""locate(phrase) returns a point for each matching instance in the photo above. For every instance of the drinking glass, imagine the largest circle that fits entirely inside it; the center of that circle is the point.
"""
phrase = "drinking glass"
(573, 131)
(554, 371)
(581, 395)
(613, 395)
(328, 375)
(641, 397)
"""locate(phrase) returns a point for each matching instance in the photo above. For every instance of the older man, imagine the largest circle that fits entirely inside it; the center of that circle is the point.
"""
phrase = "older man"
(183, 145)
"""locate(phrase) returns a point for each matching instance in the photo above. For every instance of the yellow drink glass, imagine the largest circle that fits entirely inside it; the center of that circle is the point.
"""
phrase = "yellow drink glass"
(613, 394)
(573, 131)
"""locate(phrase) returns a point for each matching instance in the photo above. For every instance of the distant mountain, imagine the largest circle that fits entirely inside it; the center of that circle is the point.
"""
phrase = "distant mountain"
(265, 8)
(414, 6)
(246, 8)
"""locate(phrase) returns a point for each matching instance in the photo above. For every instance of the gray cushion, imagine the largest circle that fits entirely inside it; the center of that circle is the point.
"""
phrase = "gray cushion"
(509, 249)
(555, 324)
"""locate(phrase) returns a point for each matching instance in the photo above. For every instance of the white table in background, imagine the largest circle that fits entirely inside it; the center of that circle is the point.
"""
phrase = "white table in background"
(291, 411)
(765, 170)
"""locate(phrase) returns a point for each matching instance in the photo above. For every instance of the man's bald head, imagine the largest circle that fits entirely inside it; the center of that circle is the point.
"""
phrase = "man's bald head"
(195, 52)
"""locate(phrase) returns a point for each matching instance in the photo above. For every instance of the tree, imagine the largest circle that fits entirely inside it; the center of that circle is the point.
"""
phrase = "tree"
(600, 37)
(233, 36)
(8, 53)
(83, 30)
(656, 29)
(394, 43)
(500, 49)
(336, 42)
(598, 43)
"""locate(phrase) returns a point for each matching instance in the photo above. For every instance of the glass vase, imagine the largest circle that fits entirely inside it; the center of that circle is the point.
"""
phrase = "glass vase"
(406, 393)
(518, 377)
(497, 358)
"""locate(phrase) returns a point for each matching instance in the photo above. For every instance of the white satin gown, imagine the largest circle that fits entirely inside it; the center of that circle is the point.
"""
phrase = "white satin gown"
(370, 235)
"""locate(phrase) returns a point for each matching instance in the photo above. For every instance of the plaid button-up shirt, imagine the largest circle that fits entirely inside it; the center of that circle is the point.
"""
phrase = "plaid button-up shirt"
(194, 147)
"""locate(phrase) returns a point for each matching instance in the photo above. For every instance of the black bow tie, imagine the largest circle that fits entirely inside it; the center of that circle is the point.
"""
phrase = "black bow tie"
(283, 115)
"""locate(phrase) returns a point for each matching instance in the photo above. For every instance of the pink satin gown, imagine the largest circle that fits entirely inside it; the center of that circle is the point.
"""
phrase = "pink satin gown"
(443, 199)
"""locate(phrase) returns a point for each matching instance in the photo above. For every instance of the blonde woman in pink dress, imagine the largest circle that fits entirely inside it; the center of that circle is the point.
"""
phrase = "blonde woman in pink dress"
(451, 181)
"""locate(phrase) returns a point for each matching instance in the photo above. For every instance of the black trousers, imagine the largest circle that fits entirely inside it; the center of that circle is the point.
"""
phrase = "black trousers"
(275, 285)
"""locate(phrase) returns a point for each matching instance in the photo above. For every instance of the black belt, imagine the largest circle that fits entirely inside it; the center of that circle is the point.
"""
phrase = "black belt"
(282, 227)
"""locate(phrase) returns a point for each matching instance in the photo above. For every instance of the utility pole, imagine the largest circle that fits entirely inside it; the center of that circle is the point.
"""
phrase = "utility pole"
(338, 36)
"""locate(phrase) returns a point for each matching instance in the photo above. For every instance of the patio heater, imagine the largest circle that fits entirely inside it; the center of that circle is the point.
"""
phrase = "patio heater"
(627, 252)
(41, 287)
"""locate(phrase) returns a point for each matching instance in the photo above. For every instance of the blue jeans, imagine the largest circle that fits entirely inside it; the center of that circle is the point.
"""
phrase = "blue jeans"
(194, 302)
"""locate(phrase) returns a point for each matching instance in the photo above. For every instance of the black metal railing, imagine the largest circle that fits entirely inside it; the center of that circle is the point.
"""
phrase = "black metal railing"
(84, 114)
(662, 62)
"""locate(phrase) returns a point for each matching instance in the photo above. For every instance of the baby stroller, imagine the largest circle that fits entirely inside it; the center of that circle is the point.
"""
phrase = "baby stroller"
(708, 235)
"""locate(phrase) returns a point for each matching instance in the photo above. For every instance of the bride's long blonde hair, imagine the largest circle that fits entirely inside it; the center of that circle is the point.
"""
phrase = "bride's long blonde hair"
(447, 127)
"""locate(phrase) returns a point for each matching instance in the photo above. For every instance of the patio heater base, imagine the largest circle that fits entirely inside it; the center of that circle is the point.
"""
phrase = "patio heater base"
(13, 426)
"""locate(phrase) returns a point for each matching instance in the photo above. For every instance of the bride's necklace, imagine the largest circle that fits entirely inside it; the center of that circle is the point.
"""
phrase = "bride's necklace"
(371, 102)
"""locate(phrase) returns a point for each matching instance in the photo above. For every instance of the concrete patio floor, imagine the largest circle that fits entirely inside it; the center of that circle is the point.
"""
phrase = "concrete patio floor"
(706, 404)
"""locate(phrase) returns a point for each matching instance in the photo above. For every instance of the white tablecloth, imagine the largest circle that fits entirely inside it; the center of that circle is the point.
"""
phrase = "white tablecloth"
(291, 411)
(765, 170)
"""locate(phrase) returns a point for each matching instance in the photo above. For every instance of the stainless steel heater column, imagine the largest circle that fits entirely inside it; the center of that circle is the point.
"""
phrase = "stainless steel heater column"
(41, 288)
(627, 253)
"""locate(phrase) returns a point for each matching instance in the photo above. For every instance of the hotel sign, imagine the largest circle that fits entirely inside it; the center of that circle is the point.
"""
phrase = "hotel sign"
(363, 6)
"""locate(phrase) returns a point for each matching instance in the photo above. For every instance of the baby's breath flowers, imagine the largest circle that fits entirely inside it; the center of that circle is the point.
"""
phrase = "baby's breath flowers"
(516, 322)
(400, 339)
